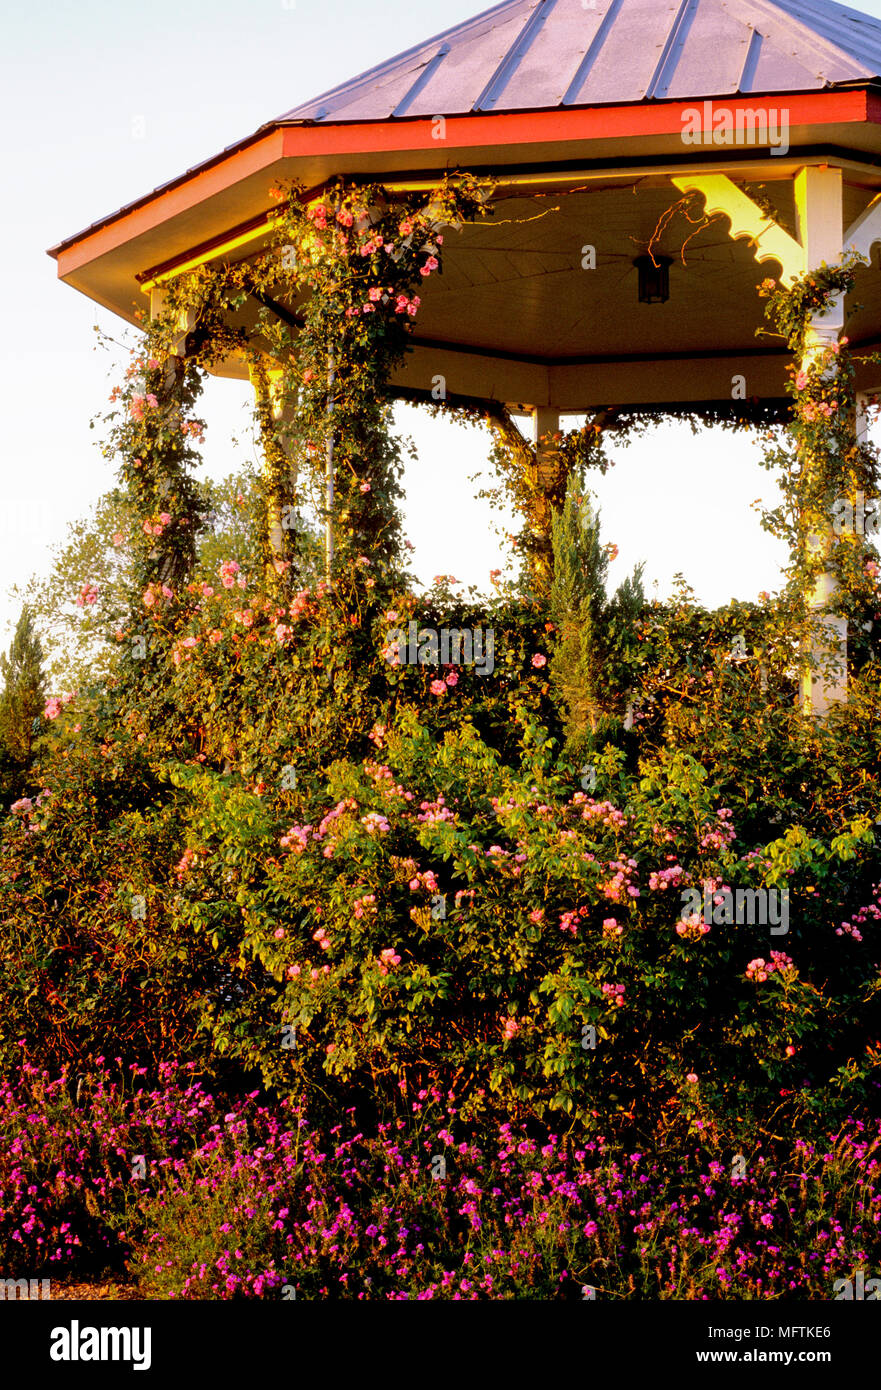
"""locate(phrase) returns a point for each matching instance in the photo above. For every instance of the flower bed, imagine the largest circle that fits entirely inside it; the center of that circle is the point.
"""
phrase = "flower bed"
(202, 1201)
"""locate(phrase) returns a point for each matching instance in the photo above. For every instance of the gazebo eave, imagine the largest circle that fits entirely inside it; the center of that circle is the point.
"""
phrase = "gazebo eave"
(207, 204)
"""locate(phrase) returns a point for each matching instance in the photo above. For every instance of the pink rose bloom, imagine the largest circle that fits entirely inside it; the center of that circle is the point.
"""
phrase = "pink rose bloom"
(24, 804)
(451, 678)
(278, 933)
(207, 591)
(438, 688)
(282, 633)
(215, 637)
(374, 295)
(165, 518)
(242, 581)
(691, 1077)
(538, 661)
(152, 401)
(149, 598)
(167, 593)
(801, 380)
(248, 618)
(52, 708)
(118, 538)
(190, 642)
(365, 487)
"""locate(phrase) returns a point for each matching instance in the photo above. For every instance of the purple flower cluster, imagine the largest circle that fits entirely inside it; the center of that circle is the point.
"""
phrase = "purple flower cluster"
(208, 1199)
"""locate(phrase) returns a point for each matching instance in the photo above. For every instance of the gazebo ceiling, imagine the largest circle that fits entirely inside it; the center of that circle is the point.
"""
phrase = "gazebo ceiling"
(584, 105)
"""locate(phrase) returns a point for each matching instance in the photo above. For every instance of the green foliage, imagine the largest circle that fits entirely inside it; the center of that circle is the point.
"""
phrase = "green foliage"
(402, 861)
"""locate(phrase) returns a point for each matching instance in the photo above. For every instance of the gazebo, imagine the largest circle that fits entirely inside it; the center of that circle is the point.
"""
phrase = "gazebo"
(603, 122)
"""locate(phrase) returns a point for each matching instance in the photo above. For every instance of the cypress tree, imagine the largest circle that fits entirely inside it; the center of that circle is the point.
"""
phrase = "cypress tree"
(23, 697)
(589, 666)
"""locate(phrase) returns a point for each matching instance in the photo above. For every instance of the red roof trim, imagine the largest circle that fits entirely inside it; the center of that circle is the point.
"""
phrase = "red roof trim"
(582, 123)
(855, 105)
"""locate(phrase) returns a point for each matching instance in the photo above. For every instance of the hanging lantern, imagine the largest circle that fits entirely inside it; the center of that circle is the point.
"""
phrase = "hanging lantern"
(654, 278)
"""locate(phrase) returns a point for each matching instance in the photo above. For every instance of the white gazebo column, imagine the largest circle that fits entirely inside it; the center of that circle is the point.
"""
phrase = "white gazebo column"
(545, 420)
(282, 408)
(821, 237)
(818, 202)
(329, 474)
(545, 424)
(173, 368)
(185, 323)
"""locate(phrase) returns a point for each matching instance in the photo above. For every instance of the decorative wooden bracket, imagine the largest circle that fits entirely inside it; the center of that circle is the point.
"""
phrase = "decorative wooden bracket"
(747, 219)
(862, 233)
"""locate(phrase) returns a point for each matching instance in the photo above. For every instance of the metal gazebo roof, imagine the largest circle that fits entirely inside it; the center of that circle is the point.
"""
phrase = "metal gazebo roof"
(542, 54)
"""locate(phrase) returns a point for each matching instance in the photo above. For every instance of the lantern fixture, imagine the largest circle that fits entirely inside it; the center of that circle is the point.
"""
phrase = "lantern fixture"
(654, 278)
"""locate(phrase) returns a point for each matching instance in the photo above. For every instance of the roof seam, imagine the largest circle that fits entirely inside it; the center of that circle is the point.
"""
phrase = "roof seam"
(750, 62)
(422, 80)
(513, 58)
(672, 49)
(590, 57)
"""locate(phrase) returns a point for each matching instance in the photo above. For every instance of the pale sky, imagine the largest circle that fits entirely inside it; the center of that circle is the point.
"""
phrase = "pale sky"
(80, 82)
